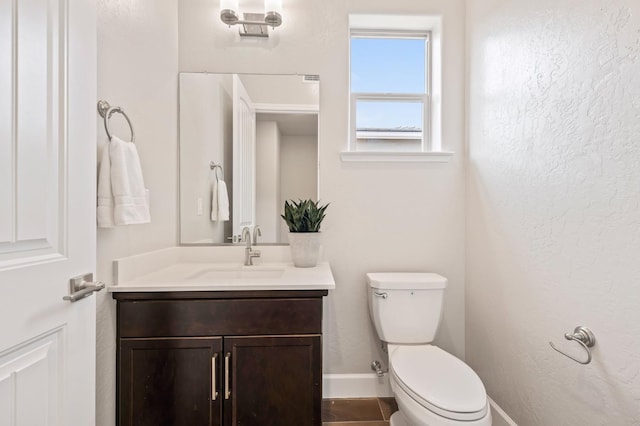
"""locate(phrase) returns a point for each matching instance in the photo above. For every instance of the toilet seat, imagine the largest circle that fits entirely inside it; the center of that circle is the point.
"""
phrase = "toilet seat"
(439, 381)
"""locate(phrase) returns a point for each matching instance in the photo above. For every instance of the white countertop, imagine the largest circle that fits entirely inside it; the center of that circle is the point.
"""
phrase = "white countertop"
(216, 268)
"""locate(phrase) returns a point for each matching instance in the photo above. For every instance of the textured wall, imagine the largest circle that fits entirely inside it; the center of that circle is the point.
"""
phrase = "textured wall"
(553, 206)
(137, 70)
(405, 217)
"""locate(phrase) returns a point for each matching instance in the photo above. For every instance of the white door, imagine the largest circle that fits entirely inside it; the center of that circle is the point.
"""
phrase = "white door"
(244, 158)
(47, 205)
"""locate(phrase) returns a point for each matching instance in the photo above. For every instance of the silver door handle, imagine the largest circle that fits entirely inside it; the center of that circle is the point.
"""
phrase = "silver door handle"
(227, 391)
(214, 393)
(82, 286)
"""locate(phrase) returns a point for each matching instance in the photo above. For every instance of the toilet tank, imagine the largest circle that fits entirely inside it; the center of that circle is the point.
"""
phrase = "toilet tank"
(406, 307)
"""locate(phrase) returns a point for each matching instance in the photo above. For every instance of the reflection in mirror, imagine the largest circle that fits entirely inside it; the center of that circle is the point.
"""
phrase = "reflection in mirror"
(261, 133)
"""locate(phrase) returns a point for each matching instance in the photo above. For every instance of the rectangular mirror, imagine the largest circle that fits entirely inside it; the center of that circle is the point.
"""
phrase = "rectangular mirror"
(255, 134)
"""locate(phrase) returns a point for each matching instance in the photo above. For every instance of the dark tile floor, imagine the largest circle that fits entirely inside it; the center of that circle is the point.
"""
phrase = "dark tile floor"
(358, 412)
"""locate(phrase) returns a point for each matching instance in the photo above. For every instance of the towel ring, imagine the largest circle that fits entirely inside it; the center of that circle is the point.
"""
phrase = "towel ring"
(106, 111)
(213, 166)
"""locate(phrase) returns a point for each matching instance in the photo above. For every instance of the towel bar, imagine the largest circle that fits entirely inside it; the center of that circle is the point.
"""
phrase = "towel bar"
(106, 111)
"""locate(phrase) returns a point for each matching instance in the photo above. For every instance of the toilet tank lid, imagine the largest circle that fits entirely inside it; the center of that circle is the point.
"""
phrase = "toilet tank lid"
(406, 280)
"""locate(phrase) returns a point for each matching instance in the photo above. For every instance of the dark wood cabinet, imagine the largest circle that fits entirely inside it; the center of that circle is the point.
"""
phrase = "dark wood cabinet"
(274, 380)
(168, 381)
(219, 358)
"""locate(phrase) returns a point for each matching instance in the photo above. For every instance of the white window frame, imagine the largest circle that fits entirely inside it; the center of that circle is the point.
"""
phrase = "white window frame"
(386, 25)
(422, 98)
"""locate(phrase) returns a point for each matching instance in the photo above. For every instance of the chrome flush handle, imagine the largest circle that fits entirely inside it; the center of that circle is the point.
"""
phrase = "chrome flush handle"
(380, 294)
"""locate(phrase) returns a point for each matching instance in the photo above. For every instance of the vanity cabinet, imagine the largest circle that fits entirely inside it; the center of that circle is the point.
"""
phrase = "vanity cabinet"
(219, 358)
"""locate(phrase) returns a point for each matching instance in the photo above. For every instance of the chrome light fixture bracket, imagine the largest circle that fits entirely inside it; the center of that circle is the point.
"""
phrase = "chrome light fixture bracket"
(254, 25)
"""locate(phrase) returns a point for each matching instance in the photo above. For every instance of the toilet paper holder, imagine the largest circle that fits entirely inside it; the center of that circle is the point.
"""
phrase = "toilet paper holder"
(584, 337)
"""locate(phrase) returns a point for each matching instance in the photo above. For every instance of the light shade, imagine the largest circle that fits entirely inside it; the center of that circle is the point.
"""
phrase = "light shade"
(273, 12)
(229, 11)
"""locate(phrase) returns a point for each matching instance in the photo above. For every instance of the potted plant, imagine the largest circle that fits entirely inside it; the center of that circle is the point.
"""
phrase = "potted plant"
(304, 219)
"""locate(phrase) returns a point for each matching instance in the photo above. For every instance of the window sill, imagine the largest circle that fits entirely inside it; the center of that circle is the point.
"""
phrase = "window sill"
(397, 157)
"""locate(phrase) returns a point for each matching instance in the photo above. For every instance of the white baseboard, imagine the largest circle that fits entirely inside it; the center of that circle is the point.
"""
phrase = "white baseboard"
(355, 386)
(500, 418)
(371, 386)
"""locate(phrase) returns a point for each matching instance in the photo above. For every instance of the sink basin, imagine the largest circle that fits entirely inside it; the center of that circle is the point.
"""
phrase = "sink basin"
(242, 272)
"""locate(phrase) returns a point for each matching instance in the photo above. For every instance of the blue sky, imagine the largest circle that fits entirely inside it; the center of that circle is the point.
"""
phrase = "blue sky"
(388, 66)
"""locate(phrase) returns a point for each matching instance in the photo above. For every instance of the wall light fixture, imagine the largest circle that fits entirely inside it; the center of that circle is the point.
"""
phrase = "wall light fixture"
(253, 24)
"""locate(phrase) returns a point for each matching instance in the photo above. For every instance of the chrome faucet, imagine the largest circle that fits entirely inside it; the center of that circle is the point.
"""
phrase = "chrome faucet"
(249, 253)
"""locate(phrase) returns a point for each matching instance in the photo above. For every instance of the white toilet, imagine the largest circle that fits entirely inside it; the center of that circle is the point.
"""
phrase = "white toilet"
(431, 386)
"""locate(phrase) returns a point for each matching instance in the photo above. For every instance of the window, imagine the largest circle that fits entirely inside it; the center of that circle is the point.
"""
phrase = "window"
(394, 104)
(389, 91)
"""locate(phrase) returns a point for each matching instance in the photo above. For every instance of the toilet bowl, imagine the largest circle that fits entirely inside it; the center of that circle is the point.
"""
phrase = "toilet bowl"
(434, 388)
(431, 386)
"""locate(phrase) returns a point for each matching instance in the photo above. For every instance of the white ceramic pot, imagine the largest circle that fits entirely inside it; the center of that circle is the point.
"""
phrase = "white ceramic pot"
(305, 248)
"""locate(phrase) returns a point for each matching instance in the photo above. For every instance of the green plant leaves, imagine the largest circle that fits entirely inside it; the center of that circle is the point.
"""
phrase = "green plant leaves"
(304, 215)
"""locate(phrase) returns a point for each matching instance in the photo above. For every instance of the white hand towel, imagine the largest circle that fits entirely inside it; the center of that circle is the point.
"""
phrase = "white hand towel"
(131, 205)
(105, 196)
(223, 202)
(214, 200)
(219, 201)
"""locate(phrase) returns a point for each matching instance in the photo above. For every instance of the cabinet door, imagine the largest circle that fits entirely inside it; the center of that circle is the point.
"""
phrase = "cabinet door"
(169, 381)
(274, 380)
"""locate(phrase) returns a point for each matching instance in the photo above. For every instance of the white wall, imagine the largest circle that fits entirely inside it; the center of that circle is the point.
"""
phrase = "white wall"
(280, 89)
(137, 70)
(299, 172)
(404, 217)
(553, 206)
(268, 180)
